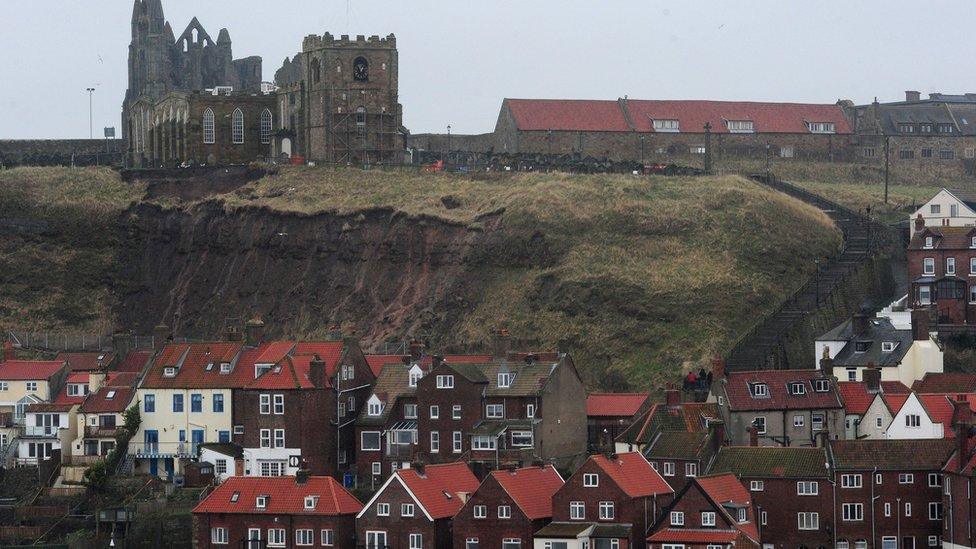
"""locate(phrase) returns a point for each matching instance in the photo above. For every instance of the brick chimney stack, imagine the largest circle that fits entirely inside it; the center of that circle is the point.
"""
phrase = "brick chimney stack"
(672, 397)
(962, 421)
(753, 435)
(826, 363)
(872, 378)
(316, 371)
(416, 349)
(912, 96)
(859, 323)
(254, 332)
(919, 223)
(718, 369)
(9, 353)
(502, 343)
(920, 324)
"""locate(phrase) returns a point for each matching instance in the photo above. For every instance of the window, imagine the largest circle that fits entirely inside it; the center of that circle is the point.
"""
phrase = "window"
(821, 385)
(817, 422)
(742, 514)
(906, 478)
(950, 265)
(667, 126)
(926, 153)
(760, 424)
(757, 486)
(377, 468)
(471, 543)
(209, 135)
(708, 518)
(177, 403)
(696, 149)
(787, 152)
(266, 125)
(279, 405)
(382, 509)
(798, 421)
(807, 488)
(196, 403)
(494, 411)
(218, 404)
(511, 543)
(238, 130)
(218, 535)
(852, 374)
(797, 389)
(456, 411)
(276, 537)
(577, 510)
(887, 346)
(944, 128)
(591, 480)
(908, 509)
(928, 266)
(905, 127)
(304, 536)
(265, 435)
(946, 154)
(149, 404)
(860, 544)
(415, 376)
(691, 469)
(504, 511)
(808, 521)
(225, 367)
(168, 371)
(445, 382)
(265, 406)
(416, 541)
(435, 412)
(220, 466)
(935, 510)
(374, 407)
(370, 441)
(925, 128)
(456, 444)
(328, 537)
(929, 241)
(4, 386)
(435, 442)
(480, 511)
(868, 152)
(887, 509)
(522, 439)
(677, 518)
(935, 480)
(505, 380)
(821, 127)
(889, 542)
(933, 541)
(760, 390)
(878, 422)
(739, 126)
(406, 509)
(530, 408)
(482, 442)
(913, 420)
(669, 468)
(606, 510)
(924, 295)
(853, 512)
(972, 262)
(850, 481)
(238, 429)
(409, 411)
(261, 502)
(906, 154)
(351, 404)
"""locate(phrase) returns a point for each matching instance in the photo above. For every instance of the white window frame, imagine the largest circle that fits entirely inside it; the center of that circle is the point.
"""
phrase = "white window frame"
(607, 510)
(577, 510)
(798, 421)
(669, 468)
(277, 537)
(327, 536)
(480, 511)
(757, 486)
(456, 411)
(406, 509)
(279, 438)
(362, 441)
(691, 469)
(928, 266)
(237, 126)
(416, 541)
(435, 442)
(591, 480)
(852, 512)
(457, 442)
(677, 518)
(382, 509)
(504, 511)
(495, 411)
(760, 390)
(264, 405)
(264, 438)
(708, 518)
(935, 480)
(851, 480)
(279, 405)
(906, 478)
(807, 520)
(950, 266)
(304, 536)
(218, 535)
(434, 412)
(267, 126)
(209, 127)
(807, 488)
(445, 381)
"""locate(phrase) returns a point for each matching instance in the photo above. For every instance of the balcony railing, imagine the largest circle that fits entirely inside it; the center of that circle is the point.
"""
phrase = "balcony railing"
(162, 449)
(47, 431)
(99, 431)
(400, 450)
(81, 461)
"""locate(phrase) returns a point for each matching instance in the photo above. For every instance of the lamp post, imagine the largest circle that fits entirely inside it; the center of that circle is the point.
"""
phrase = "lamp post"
(642, 153)
(448, 139)
(91, 132)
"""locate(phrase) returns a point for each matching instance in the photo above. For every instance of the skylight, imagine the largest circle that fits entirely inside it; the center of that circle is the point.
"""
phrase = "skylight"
(110, 395)
(235, 496)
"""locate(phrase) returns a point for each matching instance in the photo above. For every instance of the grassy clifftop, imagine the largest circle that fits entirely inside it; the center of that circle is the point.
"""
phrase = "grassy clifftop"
(638, 276)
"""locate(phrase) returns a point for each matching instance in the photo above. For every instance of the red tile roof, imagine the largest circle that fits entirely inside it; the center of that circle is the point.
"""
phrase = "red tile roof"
(766, 117)
(615, 404)
(49, 407)
(290, 373)
(946, 238)
(894, 402)
(87, 361)
(28, 370)
(531, 488)
(567, 115)
(633, 474)
(726, 488)
(193, 373)
(857, 399)
(437, 488)
(99, 403)
(286, 497)
(376, 362)
(273, 351)
(135, 361)
(946, 383)
(694, 535)
(738, 388)
(329, 351)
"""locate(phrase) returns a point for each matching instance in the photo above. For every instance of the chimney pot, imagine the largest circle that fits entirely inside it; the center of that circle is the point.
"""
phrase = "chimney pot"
(753, 435)
(9, 353)
(672, 398)
(859, 323)
(254, 332)
(912, 96)
(718, 368)
(919, 223)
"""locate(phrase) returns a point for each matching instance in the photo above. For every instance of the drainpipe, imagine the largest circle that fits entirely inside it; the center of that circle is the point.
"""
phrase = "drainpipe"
(874, 498)
(898, 514)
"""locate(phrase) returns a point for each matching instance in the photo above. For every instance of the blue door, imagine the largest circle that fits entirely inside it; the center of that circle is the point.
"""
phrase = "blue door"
(168, 462)
(197, 441)
(153, 467)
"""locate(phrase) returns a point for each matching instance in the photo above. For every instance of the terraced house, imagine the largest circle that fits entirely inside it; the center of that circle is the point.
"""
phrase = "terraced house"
(681, 456)
(712, 511)
(672, 415)
(941, 266)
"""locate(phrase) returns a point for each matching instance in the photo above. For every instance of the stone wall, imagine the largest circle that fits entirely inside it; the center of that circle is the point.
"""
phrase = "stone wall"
(60, 152)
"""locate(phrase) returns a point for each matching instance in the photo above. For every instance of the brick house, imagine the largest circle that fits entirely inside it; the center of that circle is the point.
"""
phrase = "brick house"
(672, 415)
(414, 507)
(255, 512)
(941, 261)
(790, 488)
(888, 493)
(710, 511)
(609, 414)
(959, 508)
(680, 456)
(786, 407)
(507, 509)
(610, 501)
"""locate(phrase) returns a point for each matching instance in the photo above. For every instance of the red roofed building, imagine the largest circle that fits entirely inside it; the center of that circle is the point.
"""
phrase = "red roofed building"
(667, 130)
(88, 361)
(414, 507)
(608, 498)
(609, 414)
(26, 382)
(279, 511)
(508, 507)
(713, 510)
(99, 417)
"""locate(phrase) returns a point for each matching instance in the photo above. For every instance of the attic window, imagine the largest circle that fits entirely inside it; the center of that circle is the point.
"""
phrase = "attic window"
(821, 385)
(169, 371)
(415, 377)
(110, 395)
(797, 389)
(210, 366)
(672, 126)
(760, 390)
(261, 502)
(374, 407)
(861, 346)
(505, 380)
(742, 514)
(888, 346)
(235, 496)
(740, 126)
(929, 241)
(225, 367)
(972, 243)
(311, 501)
(820, 127)
(260, 369)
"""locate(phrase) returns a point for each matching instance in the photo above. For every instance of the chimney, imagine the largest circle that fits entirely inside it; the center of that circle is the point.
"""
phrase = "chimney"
(920, 324)
(826, 363)
(416, 349)
(912, 96)
(672, 397)
(253, 332)
(96, 380)
(502, 343)
(238, 467)
(161, 334)
(718, 433)
(872, 378)
(464, 497)
(232, 333)
(417, 466)
(753, 435)
(436, 361)
(859, 323)
(919, 223)
(301, 476)
(962, 419)
(718, 368)
(9, 353)
(316, 371)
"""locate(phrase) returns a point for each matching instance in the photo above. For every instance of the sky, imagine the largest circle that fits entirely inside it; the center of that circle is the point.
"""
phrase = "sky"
(460, 58)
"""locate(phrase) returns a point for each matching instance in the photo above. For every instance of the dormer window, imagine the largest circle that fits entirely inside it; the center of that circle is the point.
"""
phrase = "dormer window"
(821, 385)
(861, 346)
(797, 389)
(310, 502)
(929, 242)
(261, 502)
(169, 371)
(742, 514)
(740, 126)
(760, 390)
(225, 367)
(888, 346)
(505, 380)
(261, 369)
(374, 407)
(415, 375)
(666, 125)
(821, 127)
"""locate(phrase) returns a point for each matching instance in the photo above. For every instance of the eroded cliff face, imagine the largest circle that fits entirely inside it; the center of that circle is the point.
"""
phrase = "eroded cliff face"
(380, 274)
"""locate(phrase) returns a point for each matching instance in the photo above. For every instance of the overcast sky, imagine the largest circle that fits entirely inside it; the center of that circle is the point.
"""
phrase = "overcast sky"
(459, 58)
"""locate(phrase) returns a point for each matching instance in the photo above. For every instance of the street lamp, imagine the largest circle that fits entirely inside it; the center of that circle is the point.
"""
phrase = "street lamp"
(817, 262)
(642, 153)
(91, 132)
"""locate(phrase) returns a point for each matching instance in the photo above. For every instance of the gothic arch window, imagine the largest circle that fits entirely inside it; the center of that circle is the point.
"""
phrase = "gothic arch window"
(266, 125)
(316, 71)
(238, 126)
(209, 133)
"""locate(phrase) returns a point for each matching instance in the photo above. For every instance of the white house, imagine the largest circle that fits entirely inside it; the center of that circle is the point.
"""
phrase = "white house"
(951, 207)
(224, 456)
(914, 421)
(876, 420)
(47, 427)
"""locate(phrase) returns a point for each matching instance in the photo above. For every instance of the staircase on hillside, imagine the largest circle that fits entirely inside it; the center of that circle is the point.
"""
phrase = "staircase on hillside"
(762, 347)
